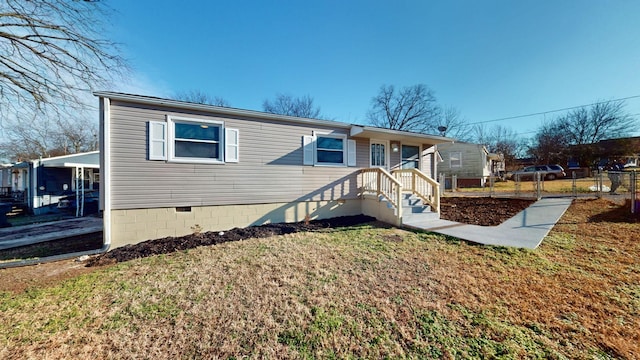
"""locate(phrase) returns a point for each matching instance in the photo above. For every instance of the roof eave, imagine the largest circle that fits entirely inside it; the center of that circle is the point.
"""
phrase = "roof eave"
(216, 109)
(375, 132)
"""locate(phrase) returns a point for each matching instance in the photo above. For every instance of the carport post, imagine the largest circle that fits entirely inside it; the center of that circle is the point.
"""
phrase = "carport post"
(79, 191)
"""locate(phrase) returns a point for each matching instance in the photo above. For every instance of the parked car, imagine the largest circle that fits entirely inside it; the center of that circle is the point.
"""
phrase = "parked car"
(547, 172)
(90, 206)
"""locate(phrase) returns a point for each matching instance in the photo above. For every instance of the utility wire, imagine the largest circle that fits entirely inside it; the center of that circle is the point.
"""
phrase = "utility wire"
(552, 111)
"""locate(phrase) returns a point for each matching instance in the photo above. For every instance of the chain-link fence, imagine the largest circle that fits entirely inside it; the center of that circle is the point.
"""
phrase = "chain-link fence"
(619, 186)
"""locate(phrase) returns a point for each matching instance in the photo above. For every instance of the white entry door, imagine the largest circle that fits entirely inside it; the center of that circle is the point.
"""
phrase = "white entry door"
(379, 154)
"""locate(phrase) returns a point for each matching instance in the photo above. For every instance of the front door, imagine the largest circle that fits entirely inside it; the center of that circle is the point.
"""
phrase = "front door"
(379, 154)
(410, 157)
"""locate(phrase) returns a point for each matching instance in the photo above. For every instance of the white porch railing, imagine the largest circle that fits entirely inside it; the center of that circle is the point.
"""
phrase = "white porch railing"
(379, 182)
(390, 186)
(416, 182)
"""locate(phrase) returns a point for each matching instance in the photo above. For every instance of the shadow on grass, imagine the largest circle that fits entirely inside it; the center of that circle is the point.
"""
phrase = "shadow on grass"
(617, 214)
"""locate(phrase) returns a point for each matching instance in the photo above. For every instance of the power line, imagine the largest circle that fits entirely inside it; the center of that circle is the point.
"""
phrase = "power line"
(552, 111)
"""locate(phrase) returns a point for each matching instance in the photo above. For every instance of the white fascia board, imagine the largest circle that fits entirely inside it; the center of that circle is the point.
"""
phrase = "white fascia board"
(357, 130)
(69, 156)
(217, 109)
(81, 165)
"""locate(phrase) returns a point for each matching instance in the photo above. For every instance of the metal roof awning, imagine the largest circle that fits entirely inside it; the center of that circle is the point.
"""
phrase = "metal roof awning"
(397, 135)
(90, 160)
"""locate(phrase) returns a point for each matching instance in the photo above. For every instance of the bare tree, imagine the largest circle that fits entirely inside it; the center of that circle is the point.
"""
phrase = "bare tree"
(24, 141)
(499, 139)
(292, 106)
(549, 145)
(52, 54)
(603, 120)
(571, 135)
(200, 97)
(448, 122)
(412, 108)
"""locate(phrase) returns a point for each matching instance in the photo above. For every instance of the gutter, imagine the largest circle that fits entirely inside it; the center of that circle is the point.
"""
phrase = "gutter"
(148, 100)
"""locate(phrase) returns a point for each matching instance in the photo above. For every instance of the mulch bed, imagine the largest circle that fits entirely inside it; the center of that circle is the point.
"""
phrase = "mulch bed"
(470, 210)
(171, 244)
(484, 211)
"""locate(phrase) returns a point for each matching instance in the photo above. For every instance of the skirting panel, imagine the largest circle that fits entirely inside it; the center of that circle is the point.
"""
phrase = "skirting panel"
(134, 226)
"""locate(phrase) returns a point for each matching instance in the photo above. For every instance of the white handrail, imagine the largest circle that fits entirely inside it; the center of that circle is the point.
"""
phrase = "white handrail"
(418, 183)
(381, 183)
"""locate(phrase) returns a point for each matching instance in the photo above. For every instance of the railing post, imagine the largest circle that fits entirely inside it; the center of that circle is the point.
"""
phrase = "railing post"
(399, 201)
(413, 182)
(378, 185)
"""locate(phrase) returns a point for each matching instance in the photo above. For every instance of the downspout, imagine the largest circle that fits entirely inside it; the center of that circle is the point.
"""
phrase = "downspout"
(105, 170)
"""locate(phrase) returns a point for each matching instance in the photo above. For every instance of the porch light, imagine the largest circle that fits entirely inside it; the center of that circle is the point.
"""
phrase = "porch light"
(395, 147)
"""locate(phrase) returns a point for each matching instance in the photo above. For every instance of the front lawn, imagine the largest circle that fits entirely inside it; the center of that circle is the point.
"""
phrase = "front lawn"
(359, 292)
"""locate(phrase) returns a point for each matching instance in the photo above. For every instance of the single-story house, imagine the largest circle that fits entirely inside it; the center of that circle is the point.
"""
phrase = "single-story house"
(169, 167)
(5, 180)
(39, 184)
(472, 164)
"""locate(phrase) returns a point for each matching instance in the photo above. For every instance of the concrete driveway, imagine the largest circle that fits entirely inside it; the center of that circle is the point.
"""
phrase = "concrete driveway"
(16, 236)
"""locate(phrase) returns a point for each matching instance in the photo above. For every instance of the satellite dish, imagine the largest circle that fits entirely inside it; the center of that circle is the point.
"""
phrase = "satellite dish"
(442, 128)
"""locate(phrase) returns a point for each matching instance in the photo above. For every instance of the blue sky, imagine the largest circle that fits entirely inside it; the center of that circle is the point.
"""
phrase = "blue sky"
(488, 59)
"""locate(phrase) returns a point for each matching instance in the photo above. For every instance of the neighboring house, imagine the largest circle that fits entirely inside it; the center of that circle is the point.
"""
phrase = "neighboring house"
(170, 168)
(40, 183)
(471, 163)
(5, 180)
(603, 152)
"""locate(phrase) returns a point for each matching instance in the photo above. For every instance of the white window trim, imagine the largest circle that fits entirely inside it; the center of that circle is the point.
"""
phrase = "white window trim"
(387, 149)
(344, 149)
(420, 155)
(459, 164)
(171, 120)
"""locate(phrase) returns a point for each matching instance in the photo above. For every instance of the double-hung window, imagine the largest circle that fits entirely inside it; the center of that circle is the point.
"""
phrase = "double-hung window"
(455, 159)
(192, 140)
(196, 140)
(330, 150)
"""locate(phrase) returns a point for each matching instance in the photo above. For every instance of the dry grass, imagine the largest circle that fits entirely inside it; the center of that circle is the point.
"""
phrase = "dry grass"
(553, 186)
(358, 292)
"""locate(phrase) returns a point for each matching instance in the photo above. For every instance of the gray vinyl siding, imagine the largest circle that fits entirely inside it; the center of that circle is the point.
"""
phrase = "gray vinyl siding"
(472, 160)
(270, 168)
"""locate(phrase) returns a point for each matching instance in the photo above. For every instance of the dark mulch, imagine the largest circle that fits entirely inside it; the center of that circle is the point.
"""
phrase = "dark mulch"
(470, 210)
(171, 244)
(484, 211)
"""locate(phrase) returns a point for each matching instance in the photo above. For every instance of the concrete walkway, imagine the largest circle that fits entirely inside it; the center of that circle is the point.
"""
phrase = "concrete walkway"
(525, 230)
(32, 234)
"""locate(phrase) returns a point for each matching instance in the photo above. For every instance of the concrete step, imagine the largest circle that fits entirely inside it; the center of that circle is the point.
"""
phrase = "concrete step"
(409, 216)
